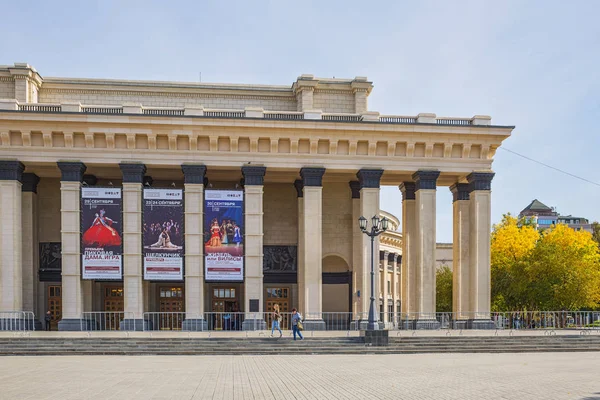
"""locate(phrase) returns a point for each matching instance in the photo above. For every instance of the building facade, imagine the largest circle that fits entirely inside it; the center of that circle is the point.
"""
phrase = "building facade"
(81, 162)
(543, 217)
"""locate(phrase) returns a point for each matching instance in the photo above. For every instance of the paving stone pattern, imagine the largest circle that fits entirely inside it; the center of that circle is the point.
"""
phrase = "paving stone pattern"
(414, 376)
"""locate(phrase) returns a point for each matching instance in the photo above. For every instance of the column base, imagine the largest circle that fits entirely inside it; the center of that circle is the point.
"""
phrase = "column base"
(375, 337)
(314, 325)
(427, 324)
(76, 325)
(481, 324)
(135, 325)
(254, 325)
(461, 324)
(363, 325)
(194, 325)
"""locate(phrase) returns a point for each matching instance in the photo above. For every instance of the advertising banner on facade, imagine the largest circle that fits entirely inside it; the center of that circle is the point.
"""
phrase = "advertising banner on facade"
(163, 234)
(224, 232)
(101, 243)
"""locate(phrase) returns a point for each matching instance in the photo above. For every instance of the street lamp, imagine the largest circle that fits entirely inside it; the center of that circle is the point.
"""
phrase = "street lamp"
(378, 226)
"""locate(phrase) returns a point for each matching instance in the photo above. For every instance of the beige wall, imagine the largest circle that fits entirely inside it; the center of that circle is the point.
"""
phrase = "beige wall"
(333, 101)
(280, 218)
(443, 255)
(337, 221)
(7, 88)
(49, 210)
(335, 298)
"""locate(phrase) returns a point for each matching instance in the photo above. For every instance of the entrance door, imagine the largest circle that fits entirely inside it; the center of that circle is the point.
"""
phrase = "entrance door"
(55, 305)
(281, 296)
(114, 304)
(172, 307)
(225, 311)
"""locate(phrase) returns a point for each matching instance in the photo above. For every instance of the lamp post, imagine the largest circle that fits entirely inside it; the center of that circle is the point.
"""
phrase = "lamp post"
(378, 226)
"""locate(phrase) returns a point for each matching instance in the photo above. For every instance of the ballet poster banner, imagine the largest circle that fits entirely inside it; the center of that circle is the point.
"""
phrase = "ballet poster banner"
(163, 234)
(101, 224)
(223, 231)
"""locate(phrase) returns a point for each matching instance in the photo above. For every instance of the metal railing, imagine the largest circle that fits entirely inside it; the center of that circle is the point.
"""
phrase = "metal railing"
(283, 115)
(40, 107)
(341, 117)
(393, 119)
(225, 114)
(106, 321)
(163, 111)
(101, 110)
(20, 321)
(163, 321)
(453, 121)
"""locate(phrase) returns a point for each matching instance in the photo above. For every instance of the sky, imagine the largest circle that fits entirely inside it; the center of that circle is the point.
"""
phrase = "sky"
(534, 64)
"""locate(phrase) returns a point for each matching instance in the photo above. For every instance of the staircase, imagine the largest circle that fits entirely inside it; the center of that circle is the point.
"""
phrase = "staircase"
(267, 346)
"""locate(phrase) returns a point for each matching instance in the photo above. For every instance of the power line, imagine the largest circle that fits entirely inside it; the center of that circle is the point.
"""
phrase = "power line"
(550, 166)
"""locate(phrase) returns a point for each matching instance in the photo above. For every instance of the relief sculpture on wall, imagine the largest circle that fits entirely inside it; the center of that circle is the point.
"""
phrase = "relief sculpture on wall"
(280, 259)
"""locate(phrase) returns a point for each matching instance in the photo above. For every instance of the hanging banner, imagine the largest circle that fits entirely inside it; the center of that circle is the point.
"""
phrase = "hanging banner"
(223, 233)
(101, 244)
(163, 234)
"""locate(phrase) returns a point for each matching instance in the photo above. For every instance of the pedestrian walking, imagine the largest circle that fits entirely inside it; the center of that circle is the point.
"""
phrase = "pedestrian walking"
(275, 324)
(297, 326)
(48, 319)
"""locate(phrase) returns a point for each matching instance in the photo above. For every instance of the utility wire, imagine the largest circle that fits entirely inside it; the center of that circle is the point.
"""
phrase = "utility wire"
(549, 166)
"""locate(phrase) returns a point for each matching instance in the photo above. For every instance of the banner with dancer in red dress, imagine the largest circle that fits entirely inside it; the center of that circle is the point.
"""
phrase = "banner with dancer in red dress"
(101, 243)
(224, 232)
(163, 234)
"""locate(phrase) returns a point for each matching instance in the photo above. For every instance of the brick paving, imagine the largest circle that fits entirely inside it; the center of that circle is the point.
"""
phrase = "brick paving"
(419, 376)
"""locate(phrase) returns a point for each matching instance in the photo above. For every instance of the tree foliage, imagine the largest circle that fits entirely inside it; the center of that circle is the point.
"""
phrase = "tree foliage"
(557, 269)
(443, 289)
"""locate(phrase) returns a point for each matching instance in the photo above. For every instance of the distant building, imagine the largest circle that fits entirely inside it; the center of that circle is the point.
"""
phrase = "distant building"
(544, 217)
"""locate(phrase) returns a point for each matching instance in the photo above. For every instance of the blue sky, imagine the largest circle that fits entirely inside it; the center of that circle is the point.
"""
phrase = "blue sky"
(532, 64)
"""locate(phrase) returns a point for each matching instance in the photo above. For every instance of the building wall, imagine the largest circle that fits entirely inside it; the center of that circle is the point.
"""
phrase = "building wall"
(337, 221)
(49, 210)
(280, 221)
(333, 101)
(7, 88)
(335, 299)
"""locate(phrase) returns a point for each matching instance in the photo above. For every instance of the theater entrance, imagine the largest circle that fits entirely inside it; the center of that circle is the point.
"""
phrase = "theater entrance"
(225, 308)
(171, 307)
(114, 304)
(54, 305)
(281, 296)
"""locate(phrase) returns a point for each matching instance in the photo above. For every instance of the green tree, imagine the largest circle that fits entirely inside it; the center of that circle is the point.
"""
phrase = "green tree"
(596, 232)
(443, 289)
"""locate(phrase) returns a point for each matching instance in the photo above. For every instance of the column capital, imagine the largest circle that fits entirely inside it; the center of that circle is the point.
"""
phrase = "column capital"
(193, 173)
(299, 187)
(11, 170)
(312, 176)
(480, 181)
(369, 178)
(71, 171)
(30, 182)
(460, 191)
(408, 190)
(133, 173)
(355, 188)
(426, 179)
(254, 175)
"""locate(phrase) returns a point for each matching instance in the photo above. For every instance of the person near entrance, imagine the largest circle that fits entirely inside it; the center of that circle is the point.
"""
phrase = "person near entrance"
(276, 320)
(48, 319)
(297, 323)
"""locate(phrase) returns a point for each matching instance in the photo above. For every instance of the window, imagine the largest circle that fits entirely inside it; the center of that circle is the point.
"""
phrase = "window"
(389, 285)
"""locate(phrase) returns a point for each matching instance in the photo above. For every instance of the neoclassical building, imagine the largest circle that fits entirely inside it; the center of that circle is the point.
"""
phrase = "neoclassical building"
(143, 197)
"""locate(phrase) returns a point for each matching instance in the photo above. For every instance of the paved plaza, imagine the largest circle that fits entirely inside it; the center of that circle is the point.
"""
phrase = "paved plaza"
(422, 376)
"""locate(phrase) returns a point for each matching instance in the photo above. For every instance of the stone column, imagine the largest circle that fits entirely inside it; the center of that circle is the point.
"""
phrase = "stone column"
(360, 299)
(383, 257)
(408, 275)
(194, 247)
(460, 253)
(310, 275)
(133, 178)
(70, 211)
(299, 185)
(369, 181)
(425, 201)
(479, 248)
(11, 248)
(392, 258)
(253, 242)
(30, 252)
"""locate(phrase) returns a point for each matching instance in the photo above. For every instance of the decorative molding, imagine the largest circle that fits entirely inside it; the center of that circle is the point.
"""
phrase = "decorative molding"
(6, 79)
(30, 182)
(333, 91)
(369, 178)
(408, 190)
(460, 191)
(71, 171)
(193, 174)
(133, 173)
(299, 187)
(312, 176)
(355, 188)
(383, 255)
(426, 179)
(11, 170)
(392, 257)
(480, 181)
(254, 176)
